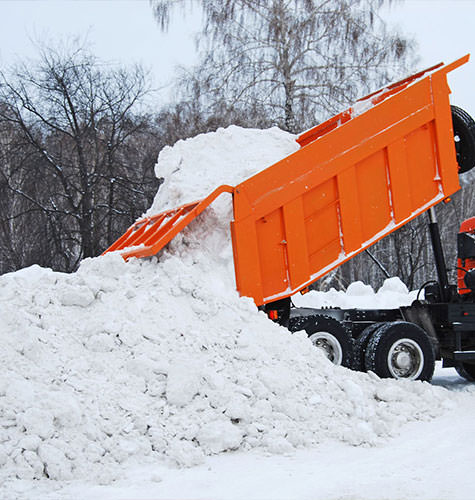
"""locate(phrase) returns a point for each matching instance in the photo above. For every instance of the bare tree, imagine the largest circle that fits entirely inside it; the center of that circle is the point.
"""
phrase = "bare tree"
(296, 60)
(87, 149)
(18, 216)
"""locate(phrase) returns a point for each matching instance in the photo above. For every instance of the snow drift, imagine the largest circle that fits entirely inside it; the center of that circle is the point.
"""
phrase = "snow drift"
(146, 360)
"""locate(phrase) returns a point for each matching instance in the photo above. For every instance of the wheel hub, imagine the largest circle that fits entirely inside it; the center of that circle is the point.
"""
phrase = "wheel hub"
(405, 359)
(330, 346)
(326, 348)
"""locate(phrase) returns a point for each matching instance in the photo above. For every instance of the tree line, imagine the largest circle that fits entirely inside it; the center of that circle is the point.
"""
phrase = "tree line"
(79, 138)
(76, 158)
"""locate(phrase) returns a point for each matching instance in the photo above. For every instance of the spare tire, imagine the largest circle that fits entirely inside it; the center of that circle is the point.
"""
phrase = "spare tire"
(464, 137)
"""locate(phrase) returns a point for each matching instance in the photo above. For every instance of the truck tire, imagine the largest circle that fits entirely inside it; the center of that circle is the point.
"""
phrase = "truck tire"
(400, 350)
(467, 371)
(332, 338)
(464, 136)
(360, 345)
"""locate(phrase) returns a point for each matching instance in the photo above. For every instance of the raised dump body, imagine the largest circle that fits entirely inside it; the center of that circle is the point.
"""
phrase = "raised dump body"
(356, 178)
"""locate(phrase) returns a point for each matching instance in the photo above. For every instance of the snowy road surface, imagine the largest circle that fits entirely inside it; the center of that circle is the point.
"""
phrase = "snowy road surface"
(429, 460)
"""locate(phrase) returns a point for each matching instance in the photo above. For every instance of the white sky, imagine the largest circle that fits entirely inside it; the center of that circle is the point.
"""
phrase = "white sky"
(125, 31)
(122, 31)
(444, 31)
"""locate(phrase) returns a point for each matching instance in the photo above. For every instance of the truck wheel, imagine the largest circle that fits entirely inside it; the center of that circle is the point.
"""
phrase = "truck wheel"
(467, 371)
(464, 136)
(332, 338)
(360, 345)
(400, 350)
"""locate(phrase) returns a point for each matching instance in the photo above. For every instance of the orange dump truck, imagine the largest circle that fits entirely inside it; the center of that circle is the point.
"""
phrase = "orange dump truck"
(356, 178)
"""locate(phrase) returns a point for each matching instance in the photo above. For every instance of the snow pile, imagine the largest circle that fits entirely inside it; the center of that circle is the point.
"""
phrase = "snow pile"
(121, 363)
(393, 293)
(194, 167)
(141, 360)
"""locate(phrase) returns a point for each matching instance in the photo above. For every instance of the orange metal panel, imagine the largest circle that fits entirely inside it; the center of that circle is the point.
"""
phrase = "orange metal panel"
(373, 194)
(400, 189)
(323, 228)
(318, 198)
(296, 242)
(355, 180)
(350, 217)
(247, 258)
(321, 221)
(272, 256)
(424, 182)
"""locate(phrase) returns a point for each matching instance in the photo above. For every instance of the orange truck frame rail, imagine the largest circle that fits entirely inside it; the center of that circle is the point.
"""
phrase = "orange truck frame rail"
(356, 178)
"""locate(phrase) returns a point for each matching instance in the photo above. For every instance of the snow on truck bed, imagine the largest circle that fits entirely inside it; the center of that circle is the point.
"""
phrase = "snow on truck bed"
(150, 360)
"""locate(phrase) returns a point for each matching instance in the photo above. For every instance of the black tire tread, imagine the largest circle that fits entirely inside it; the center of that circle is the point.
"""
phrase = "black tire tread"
(360, 345)
(464, 126)
(377, 348)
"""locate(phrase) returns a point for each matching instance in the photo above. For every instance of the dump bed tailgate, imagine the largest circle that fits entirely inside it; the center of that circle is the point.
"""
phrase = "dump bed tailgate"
(357, 178)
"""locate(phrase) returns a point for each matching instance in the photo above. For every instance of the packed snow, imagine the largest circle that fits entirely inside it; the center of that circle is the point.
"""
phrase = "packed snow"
(161, 362)
(393, 293)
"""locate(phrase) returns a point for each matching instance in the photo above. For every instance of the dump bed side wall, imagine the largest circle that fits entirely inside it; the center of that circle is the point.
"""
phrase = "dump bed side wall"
(310, 212)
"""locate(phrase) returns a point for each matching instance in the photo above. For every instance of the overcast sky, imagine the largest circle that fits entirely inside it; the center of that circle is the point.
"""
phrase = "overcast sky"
(125, 31)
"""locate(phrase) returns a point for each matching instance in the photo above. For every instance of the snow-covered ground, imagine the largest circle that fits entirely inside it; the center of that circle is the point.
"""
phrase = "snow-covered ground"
(153, 379)
(430, 460)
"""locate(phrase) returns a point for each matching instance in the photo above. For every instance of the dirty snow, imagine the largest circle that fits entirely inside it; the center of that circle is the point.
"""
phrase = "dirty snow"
(120, 365)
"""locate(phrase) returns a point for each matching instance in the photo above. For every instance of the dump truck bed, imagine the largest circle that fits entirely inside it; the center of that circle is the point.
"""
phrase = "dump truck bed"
(357, 177)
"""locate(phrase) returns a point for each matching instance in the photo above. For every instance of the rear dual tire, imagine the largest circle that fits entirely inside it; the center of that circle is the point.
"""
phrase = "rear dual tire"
(400, 350)
(360, 346)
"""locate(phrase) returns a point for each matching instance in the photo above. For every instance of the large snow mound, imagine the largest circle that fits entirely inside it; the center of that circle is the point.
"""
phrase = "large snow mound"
(145, 360)
(194, 167)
